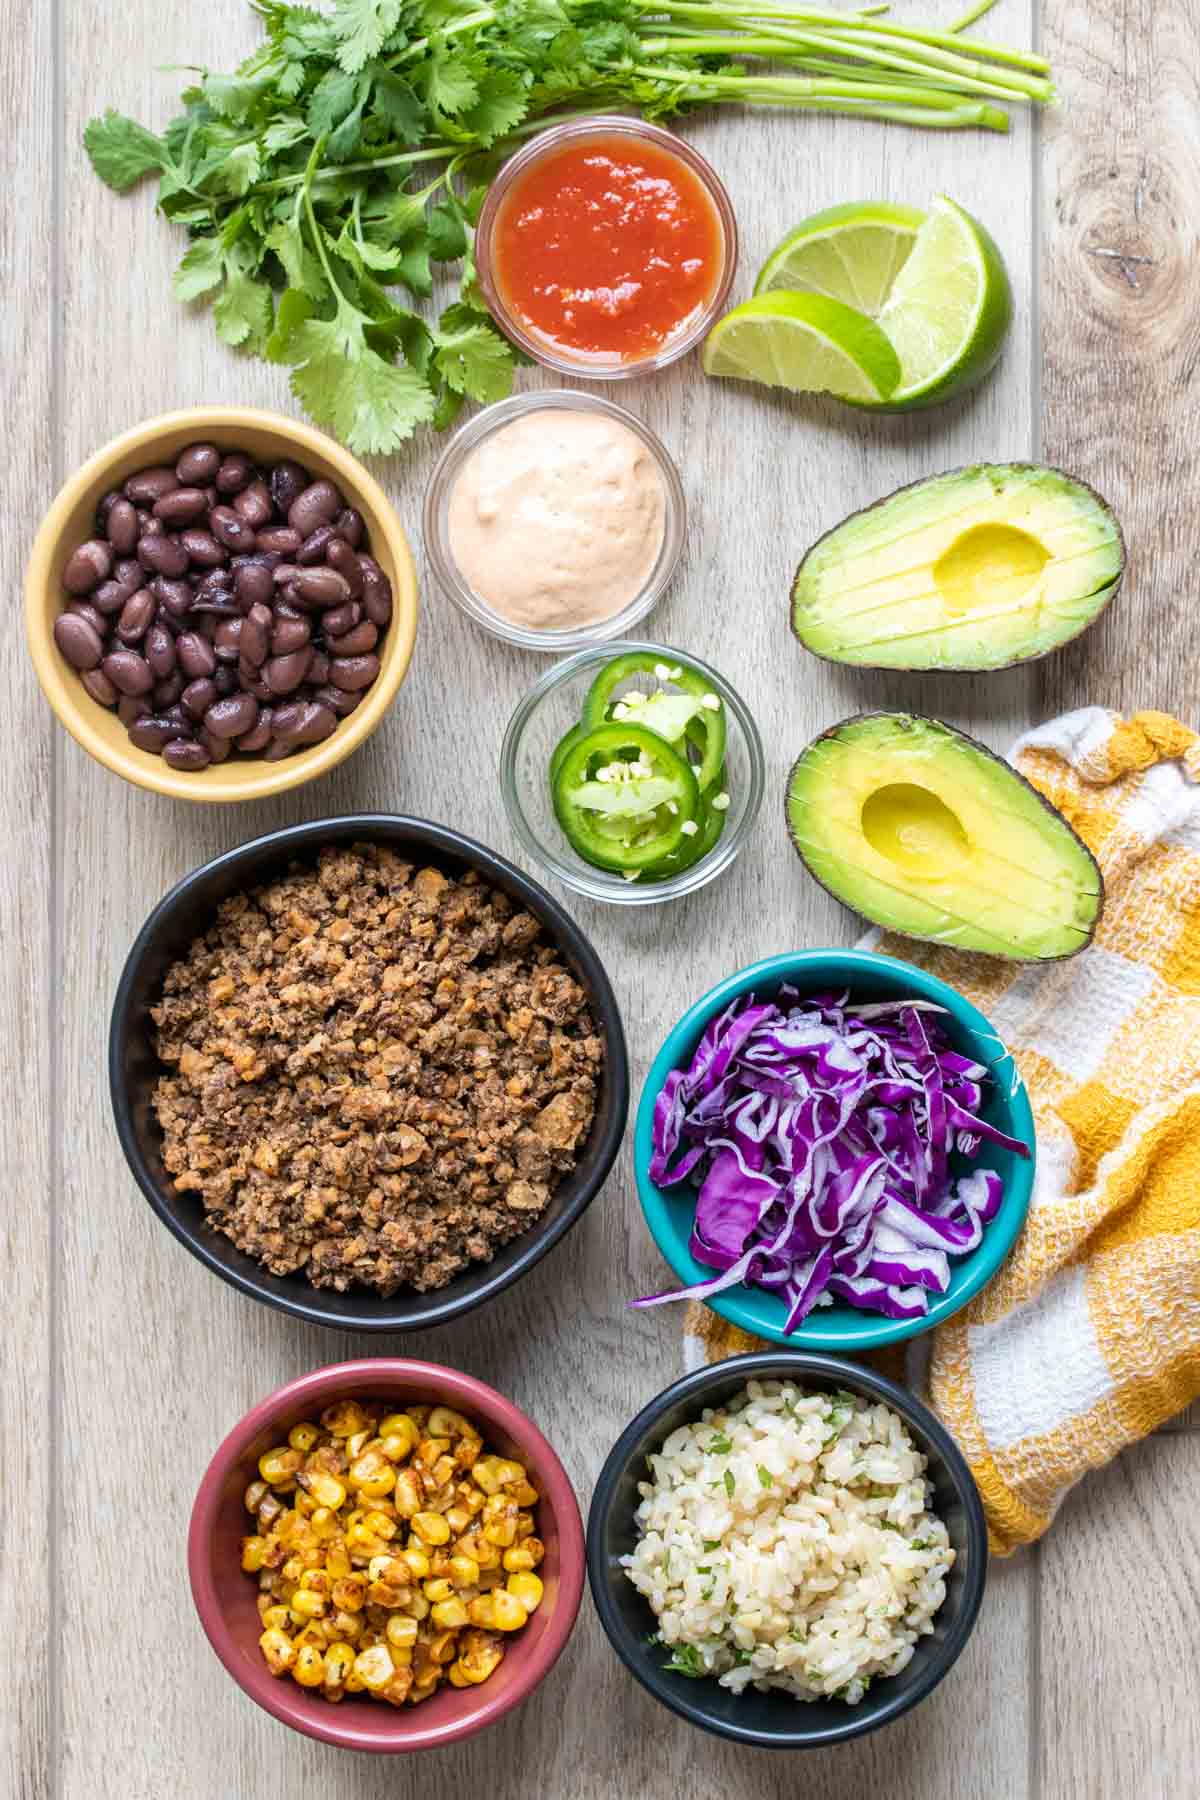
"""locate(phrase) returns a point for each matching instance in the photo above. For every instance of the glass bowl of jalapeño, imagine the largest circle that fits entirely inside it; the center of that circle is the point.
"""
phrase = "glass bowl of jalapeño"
(632, 772)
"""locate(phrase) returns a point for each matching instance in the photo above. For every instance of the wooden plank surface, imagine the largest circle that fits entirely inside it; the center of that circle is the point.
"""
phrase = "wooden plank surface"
(27, 1399)
(155, 1359)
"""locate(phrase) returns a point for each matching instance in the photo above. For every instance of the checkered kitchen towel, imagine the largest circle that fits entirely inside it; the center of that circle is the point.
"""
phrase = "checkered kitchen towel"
(1089, 1337)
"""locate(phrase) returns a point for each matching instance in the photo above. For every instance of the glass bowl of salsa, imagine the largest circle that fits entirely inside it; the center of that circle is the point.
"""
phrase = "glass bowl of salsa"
(606, 247)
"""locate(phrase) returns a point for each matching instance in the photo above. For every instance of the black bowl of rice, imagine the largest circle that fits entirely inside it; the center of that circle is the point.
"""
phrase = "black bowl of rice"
(787, 1549)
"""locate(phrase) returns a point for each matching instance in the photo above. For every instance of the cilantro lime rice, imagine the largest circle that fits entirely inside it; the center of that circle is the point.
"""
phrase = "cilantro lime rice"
(787, 1541)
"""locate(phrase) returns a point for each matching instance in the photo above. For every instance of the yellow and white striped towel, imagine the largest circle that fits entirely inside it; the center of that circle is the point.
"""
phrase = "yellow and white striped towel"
(1089, 1337)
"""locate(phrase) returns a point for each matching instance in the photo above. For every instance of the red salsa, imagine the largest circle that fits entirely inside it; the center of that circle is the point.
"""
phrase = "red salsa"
(607, 246)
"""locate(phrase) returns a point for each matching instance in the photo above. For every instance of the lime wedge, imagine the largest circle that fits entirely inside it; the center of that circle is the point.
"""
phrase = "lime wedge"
(949, 309)
(807, 343)
(852, 253)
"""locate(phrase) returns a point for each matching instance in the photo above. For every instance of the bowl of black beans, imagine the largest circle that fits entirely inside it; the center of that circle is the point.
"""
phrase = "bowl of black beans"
(221, 604)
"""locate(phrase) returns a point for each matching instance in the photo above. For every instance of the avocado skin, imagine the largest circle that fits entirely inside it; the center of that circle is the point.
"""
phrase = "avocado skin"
(966, 469)
(907, 719)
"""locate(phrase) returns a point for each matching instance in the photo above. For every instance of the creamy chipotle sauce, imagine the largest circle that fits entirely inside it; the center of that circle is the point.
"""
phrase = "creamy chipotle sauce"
(557, 519)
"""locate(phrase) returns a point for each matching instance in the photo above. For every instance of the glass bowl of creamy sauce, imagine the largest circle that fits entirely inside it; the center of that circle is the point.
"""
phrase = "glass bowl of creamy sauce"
(555, 520)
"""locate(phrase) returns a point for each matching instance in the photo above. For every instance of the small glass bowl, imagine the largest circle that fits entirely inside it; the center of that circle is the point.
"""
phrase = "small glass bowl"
(549, 709)
(596, 365)
(437, 512)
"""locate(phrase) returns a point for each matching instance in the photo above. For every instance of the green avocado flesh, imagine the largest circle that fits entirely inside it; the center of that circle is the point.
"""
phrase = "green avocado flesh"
(976, 569)
(925, 832)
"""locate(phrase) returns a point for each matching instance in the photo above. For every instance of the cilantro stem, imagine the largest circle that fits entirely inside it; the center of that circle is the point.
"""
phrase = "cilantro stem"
(976, 12)
(856, 24)
(779, 46)
(867, 100)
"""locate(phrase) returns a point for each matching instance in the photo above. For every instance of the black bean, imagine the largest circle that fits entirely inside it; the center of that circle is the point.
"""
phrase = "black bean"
(198, 464)
(167, 691)
(87, 567)
(120, 525)
(174, 596)
(303, 722)
(283, 674)
(179, 719)
(252, 680)
(230, 718)
(338, 701)
(162, 555)
(203, 548)
(128, 672)
(358, 642)
(228, 637)
(128, 572)
(277, 749)
(111, 596)
(153, 734)
(288, 482)
(149, 485)
(340, 619)
(104, 508)
(225, 680)
(131, 708)
(254, 504)
(231, 530)
(316, 505)
(255, 637)
(252, 584)
(321, 587)
(184, 754)
(314, 547)
(377, 592)
(79, 641)
(196, 655)
(197, 697)
(350, 526)
(100, 688)
(83, 609)
(353, 672)
(182, 506)
(159, 651)
(280, 538)
(149, 526)
(218, 748)
(251, 742)
(341, 557)
(318, 669)
(234, 473)
(136, 616)
(289, 635)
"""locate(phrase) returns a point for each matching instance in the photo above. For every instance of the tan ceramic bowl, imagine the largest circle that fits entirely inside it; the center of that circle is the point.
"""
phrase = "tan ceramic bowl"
(270, 437)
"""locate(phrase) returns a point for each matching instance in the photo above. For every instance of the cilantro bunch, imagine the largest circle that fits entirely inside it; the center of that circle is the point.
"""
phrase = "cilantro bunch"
(300, 178)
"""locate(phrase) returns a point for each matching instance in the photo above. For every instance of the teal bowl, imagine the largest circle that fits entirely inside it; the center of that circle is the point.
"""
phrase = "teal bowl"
(840, 1328)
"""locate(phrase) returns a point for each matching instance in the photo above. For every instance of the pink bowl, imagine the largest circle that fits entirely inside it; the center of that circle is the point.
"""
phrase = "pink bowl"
(225, 1597)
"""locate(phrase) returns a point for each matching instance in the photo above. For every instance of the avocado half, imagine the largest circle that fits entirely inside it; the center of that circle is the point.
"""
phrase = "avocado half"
(927, 833)
(979, 568)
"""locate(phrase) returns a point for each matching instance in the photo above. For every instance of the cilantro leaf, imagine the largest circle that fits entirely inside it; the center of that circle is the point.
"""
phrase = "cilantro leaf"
(712, 1543)
(450, 83)
(398, 106)
(502, 104)
(472, 357)
(362, 28)
(719, 1445)
(300, 266)
(201, 270)
(730, 1484)
(244, 311)
(447, 232)
(371, 404)
(122, 151)
(686, 1660)
(238, 169)
(332, 99)
(765, 1477)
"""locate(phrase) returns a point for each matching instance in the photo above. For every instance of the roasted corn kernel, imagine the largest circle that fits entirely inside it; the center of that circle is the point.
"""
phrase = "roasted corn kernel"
(391, 1553)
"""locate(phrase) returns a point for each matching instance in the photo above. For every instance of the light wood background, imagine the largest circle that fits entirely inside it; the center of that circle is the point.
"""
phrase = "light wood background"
(125, 1362)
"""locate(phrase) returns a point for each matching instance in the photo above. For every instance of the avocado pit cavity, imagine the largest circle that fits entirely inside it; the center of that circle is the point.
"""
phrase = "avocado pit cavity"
(988, 566)
(915, 830)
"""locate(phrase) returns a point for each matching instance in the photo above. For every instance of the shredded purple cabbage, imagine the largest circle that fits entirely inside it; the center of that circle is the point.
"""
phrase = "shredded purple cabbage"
(819, 1135)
